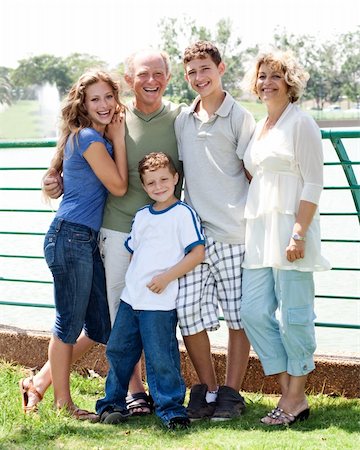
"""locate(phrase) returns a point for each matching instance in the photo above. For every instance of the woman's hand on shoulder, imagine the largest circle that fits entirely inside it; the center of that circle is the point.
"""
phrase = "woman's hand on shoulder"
(115, 131)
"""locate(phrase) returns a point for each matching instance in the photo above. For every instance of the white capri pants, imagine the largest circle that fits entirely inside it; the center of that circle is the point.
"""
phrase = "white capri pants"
(116, 260)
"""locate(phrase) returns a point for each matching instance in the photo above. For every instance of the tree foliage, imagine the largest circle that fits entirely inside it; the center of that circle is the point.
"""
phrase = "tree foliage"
(333, 65)
(6, 88)
(62, 72)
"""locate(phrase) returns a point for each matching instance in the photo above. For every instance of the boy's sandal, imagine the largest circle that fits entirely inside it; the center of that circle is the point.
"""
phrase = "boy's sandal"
(139, 404)
(282, 418)
(25, 391)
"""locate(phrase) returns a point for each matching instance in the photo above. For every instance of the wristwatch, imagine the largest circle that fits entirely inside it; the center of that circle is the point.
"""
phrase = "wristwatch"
(297, 237)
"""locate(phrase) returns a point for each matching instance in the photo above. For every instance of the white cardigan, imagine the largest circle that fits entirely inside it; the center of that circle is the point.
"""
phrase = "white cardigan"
(286, 166)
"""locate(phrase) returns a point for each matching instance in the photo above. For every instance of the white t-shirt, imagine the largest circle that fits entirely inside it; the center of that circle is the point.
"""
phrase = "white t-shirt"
(158, 240)
(286, 166)
(212, 152)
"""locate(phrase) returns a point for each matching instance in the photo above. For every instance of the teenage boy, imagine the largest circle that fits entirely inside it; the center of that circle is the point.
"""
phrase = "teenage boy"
(165, 242)
(212, 135)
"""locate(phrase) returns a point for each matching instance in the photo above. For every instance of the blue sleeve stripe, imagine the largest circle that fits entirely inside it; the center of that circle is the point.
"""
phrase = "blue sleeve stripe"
(196, 222)
(126, 243)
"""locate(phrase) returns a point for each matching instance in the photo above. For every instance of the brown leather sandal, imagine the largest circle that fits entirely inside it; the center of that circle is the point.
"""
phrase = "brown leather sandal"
(24, 391)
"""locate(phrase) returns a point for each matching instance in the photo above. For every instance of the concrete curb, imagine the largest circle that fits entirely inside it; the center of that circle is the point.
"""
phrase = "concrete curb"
(332, 376)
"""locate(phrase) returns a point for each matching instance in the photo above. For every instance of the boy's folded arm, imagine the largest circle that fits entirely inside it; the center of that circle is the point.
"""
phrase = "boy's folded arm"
(195, 256)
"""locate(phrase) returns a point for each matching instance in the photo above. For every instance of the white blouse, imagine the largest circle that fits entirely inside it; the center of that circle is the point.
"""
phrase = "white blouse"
(286, 166)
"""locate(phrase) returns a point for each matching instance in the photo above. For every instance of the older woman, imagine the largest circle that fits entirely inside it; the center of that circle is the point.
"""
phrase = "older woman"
(285, 160)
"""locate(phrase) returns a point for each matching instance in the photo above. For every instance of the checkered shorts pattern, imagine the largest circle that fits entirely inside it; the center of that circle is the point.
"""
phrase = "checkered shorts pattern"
(216, 281)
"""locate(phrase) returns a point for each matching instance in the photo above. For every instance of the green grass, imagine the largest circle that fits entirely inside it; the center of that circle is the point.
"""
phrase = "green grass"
(21, 121)
(333, 424)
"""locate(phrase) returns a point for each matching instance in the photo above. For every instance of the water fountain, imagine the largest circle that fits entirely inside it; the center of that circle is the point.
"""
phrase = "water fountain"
(49, 107)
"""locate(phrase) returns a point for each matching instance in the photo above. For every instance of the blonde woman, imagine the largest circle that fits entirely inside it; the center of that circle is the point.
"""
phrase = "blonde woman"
(284, 160)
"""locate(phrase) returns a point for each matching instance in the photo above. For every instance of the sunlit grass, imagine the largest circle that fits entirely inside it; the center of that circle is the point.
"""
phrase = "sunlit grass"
(21, 121)
(334, 423)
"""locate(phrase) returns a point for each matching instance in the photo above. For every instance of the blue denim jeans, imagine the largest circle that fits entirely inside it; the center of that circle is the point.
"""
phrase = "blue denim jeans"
(155, 332)
(73, 257)
(277, 311)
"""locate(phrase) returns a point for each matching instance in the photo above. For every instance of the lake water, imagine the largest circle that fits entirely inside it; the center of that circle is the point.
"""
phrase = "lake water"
(338, 283)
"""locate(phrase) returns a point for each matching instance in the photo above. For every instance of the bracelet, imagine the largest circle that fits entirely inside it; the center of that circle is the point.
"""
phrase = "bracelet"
(297, 237)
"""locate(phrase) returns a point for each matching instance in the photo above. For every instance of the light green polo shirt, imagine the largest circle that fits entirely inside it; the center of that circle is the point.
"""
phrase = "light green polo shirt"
(215, 182)
(145, 133)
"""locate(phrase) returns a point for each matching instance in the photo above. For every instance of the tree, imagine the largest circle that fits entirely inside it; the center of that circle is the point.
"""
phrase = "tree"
(320, 59)
(62, 72)
(78, 63)
(350, 67)
(6, 88)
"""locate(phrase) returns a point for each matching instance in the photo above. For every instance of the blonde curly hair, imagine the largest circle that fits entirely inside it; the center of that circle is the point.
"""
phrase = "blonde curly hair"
(282, 61)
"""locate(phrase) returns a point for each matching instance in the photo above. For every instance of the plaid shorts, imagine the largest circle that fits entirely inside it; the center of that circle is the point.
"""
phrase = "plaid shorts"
(216, 281)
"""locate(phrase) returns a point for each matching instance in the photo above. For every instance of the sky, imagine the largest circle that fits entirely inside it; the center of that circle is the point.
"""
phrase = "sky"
(112, 29)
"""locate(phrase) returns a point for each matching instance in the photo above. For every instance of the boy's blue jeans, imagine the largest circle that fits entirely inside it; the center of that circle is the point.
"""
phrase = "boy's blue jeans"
(155, 332)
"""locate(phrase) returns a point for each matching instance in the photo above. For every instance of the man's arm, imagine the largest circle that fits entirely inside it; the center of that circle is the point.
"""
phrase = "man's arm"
(159, 283)
(52, 184)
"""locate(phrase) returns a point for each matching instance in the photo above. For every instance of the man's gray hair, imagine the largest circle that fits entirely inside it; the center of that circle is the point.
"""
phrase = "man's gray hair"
(129, 61)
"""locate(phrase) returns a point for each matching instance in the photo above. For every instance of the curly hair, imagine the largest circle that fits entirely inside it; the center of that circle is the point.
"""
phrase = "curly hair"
(282, 61)
(74, 116)
(201, 50)
(154, 161)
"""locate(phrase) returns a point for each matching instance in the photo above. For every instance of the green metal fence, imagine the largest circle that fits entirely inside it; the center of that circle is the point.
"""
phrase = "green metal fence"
(336, 137)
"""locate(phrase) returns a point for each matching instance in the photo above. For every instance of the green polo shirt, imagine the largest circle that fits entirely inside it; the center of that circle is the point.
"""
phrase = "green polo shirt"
(145, 133)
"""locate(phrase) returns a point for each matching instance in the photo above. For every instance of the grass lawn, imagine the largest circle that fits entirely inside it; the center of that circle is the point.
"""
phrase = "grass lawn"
(21, 121)
(333, 424)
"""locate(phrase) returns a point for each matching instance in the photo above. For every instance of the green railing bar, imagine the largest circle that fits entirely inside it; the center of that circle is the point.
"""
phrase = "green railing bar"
(29, 143)
(345, 268)
(353, 241)
(22, 233)
(346, 133)
(21, 256)
(337, 325)
(335, 297)
(348, 169)
(328, 324)
(342, 163)
(351, 187)
(338, 214)
(19, 189)
(35, 305)
(23, 168)
(29, 210)
(25, 281)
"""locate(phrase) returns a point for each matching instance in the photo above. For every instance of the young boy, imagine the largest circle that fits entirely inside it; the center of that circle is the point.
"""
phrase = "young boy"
(212, 135)
(165, 242)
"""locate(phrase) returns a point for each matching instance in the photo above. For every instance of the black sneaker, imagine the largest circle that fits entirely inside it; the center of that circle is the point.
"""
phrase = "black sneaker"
(113, 415)
(178, 423)
(229, 404)
(198, 408)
